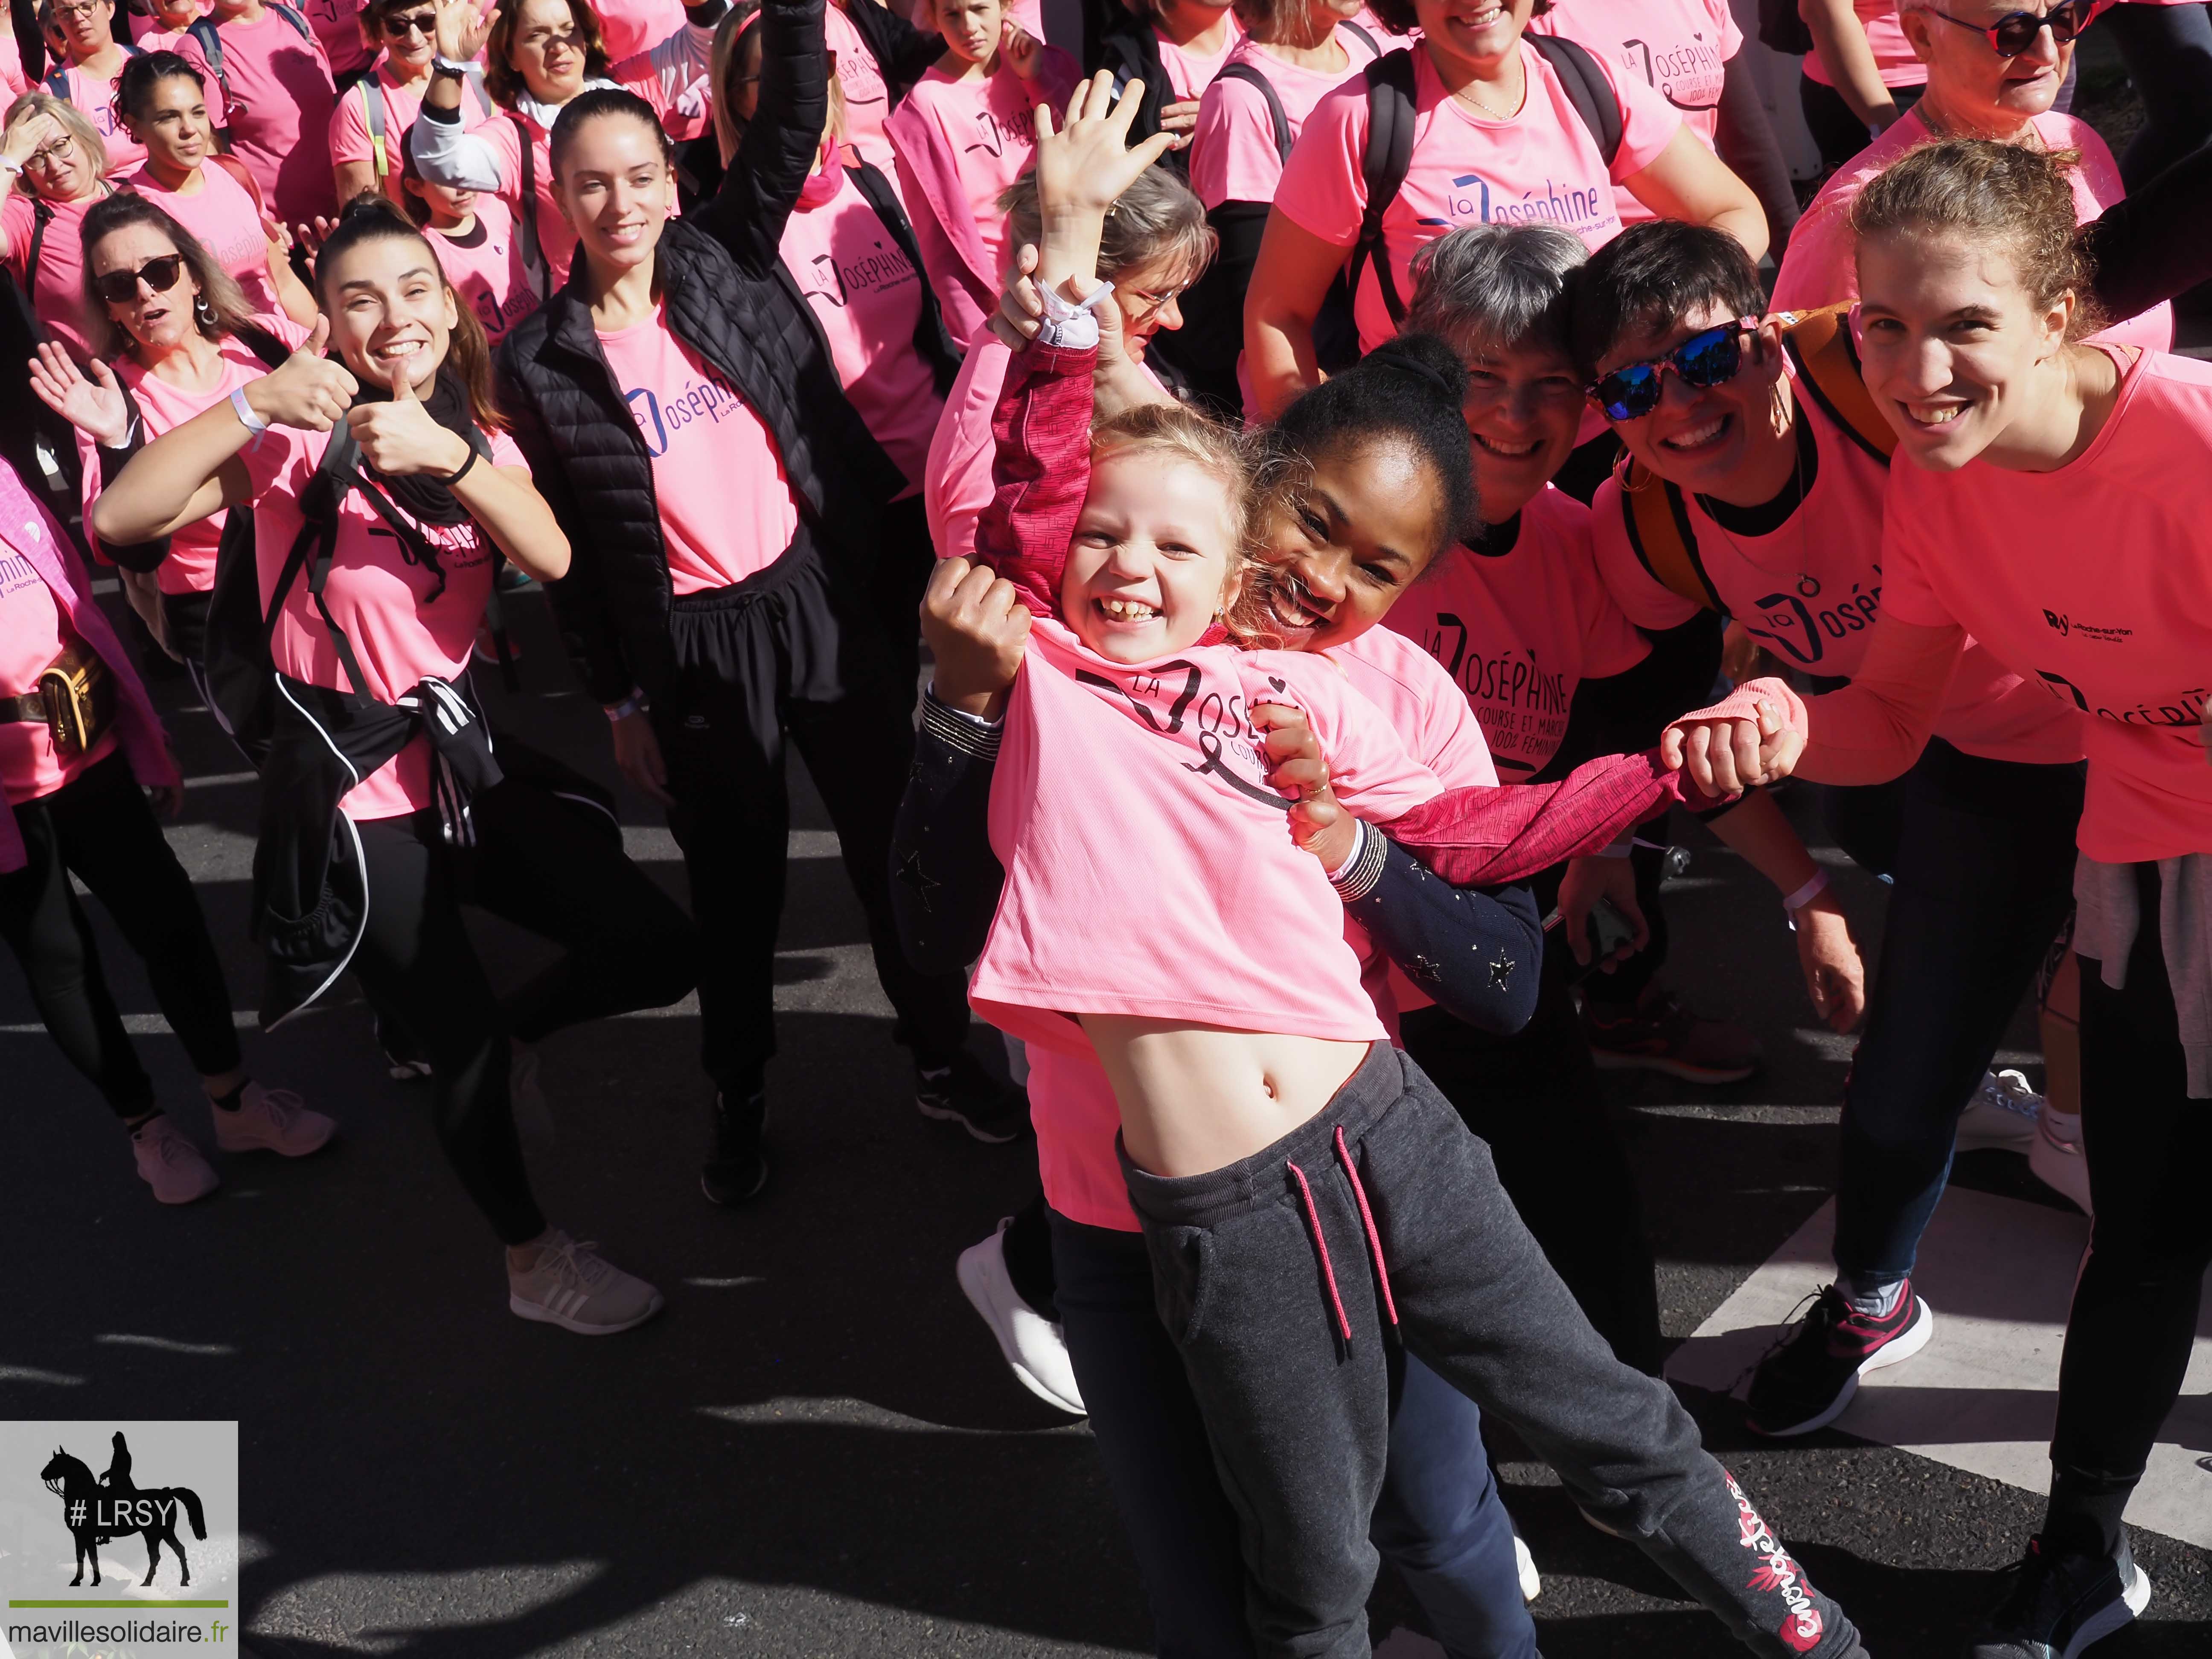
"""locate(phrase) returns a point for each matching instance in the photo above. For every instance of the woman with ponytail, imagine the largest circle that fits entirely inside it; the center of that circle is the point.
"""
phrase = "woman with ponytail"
(372, 742)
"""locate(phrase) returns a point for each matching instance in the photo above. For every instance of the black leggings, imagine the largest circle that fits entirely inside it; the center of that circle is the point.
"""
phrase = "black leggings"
(542, 864)
(1838, 132)
(2148, 1145)
(100, 829)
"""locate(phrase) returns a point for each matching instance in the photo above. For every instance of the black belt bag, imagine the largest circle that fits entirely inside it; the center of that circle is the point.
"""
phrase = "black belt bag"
(75, 701)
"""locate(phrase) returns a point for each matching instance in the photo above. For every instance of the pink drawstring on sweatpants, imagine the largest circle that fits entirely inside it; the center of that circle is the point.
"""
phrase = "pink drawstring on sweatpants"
(1320, 1244)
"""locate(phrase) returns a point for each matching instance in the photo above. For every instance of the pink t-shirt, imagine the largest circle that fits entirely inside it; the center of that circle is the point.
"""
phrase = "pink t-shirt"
(1072, 1104)
(1893, 53)
(278, 110)
(725, 508)
(1679, 48)
(58, 291)
(1810, 591)
(1541, 165)
(484, 265)
(1233, 156)
(351, 139)
(337, 26)
(1819, 267)
(190, 568)
(868, 300)
(11, 66)
(2095, 582)
(93, 95)
(221, 215)
(632, 26)
(1229, 898)
(31, 637)
(1190, 71)
(867, 98)
(956, 485)
(378, 599)
(1518, 631)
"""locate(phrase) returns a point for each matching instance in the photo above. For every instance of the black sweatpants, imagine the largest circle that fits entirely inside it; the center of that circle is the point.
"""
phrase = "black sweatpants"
(1281, 1279)
(100, 829)
(783, 655)
(540, 863)
(903, 563)
(2149, 1146)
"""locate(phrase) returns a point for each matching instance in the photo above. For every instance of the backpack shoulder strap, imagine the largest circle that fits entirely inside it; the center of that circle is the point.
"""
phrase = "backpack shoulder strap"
(1383, 168)
(1250, 74)
(1819, 343)
(58, 82)
(372, 109)
(294, 18)
(1587, 87)
(1661, 535)
(42, 215)
(525, 212)
(205, 31)
(131, 49)
(262, 344)
(1359, 32)
(246, 182)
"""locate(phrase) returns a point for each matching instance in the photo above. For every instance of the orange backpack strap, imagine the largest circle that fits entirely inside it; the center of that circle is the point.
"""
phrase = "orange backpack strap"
(1819, 343)
(1661, 535)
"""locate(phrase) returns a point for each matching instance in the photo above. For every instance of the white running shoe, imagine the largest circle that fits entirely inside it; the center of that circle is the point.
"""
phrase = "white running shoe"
(574, 1286)
(1033, 1346)
(1531, 1585)
(272, 1120)
(2002, 1114)
(2058, 1163)
(170, 1163)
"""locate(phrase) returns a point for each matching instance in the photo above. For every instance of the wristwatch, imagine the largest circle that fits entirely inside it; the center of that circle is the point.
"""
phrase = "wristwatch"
(441, 64)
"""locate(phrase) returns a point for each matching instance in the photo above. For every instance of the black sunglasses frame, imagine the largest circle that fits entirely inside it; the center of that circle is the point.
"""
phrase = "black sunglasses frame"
(2065, 21)
(109, 284)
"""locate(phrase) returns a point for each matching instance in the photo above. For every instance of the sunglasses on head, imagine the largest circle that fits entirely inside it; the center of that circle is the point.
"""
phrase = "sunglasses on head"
(1708, 358)
(120, 288)
(2015, 31)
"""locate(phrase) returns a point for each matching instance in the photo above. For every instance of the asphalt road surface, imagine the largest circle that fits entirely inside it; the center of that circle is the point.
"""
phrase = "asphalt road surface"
(815, 1450)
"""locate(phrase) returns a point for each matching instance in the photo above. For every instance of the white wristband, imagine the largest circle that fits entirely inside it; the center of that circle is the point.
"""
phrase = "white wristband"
(1805, 895)
(247, 418)
(1068, 324)
(10, 164)
(635, 703)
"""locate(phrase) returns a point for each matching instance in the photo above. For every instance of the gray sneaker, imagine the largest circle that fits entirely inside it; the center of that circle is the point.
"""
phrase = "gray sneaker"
(574, 1286)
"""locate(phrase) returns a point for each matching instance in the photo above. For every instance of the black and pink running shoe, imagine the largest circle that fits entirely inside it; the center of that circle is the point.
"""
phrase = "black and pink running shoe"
(1810, 1374)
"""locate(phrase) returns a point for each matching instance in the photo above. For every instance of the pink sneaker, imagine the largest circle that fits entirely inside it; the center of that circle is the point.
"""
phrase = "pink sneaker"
(169, 1163)
(272, 1120)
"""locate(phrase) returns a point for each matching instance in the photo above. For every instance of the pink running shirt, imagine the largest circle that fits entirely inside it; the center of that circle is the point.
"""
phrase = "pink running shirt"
(868, 300)
(337, 26)
(351, 140)
(1542, 164)
(375, 596)
(2094, 581)
(1810, 591)
(190, 568)
(93, 96)
(1233, 157)
(484, 265)
(631, 27)
(867, 98)
(1518, 631)
(1189, 72)
(275, 94)
(58, 292)
(1679, 48)
(221, 215)
(725, 508)
(31, 637)
(1893, 53)
(1819, 267)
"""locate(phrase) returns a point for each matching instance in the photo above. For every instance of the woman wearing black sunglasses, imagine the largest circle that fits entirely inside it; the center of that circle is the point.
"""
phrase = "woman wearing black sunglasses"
(1994, 71)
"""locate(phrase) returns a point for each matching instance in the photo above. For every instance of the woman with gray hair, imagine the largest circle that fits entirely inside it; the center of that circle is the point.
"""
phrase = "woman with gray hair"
(52, 169)
(1556, 674)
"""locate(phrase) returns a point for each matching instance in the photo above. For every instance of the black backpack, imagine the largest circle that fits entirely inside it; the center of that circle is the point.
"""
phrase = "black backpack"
(1390, 140)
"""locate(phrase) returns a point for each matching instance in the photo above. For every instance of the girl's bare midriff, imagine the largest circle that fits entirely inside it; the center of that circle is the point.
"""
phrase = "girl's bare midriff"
(1194, 1099)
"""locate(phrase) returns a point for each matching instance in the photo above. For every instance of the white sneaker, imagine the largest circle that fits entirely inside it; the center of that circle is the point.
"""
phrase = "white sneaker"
(2002, 1114)
(1531, 1585)
(170, 1163)
(574, 1286)
(2058, 1165)
(1033, 1346)
(272, 1120)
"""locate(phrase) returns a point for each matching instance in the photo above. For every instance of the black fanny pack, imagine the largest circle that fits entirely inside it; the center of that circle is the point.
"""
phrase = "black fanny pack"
(75, 701)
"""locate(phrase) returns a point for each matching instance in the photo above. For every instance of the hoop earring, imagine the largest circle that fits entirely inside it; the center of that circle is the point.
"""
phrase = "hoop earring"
(203, 313)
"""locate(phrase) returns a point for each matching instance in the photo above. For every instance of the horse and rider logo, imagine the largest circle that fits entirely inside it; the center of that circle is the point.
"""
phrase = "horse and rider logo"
(96, 1512)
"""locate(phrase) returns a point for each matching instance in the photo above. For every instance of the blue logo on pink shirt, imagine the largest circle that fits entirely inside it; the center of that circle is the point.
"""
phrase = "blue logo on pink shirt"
(659, 420)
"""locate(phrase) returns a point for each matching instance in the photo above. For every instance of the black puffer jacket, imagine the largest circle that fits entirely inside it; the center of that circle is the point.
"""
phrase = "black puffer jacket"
(730, 299)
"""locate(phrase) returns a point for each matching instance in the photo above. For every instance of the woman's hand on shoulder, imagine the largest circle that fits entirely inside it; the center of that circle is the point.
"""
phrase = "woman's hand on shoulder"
(977, 628)
(308, 390)
(95, 406)
(1319, 822)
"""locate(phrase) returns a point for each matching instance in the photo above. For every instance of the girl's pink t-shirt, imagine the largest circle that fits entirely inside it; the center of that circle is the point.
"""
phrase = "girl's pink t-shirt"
(11, 66)
(381, 601)
(727, 509)
(93, 95)
(337, 26)
(1679, 48)
(867, 298)
(2094, 581)
(1810, 591)
(1229, 898)
(190, 568)
(1189, 72)
(221, 215)
(1893, 53)
(633, 26)
(31, 637)
(278, 110)
(1518, 631)
(1820, 267)
(867, 97)
(1541, 165)
(956, 485)
(1233, 156)
(57, 290)
(484, 265)
(351, 139)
